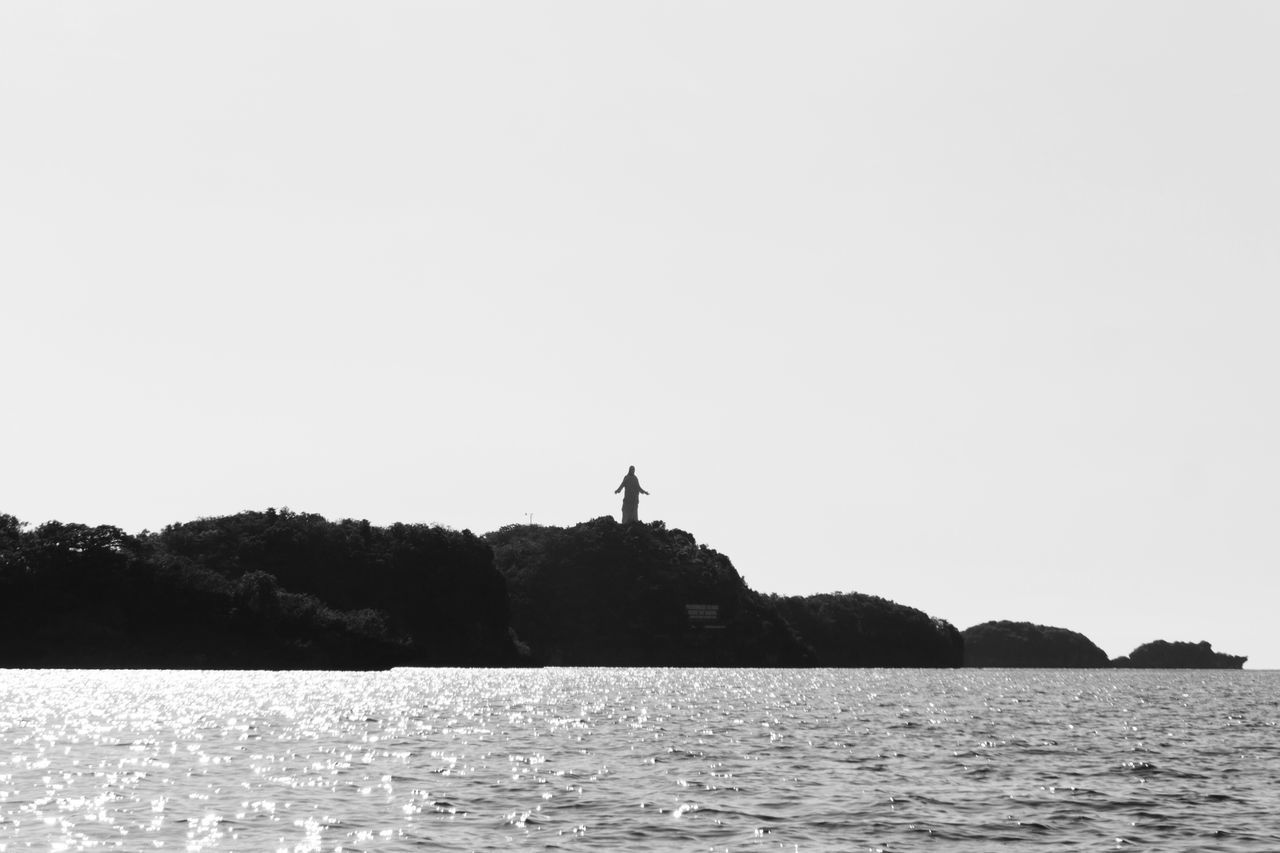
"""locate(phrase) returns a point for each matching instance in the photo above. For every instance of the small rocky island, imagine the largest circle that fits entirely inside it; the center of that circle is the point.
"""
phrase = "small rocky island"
(1162, 654)
(1022, 644)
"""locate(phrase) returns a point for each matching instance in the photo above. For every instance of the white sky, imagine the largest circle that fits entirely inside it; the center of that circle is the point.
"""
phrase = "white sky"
(972, 306)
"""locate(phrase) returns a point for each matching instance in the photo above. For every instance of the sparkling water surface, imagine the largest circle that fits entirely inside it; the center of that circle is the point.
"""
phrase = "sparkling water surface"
(640, 760)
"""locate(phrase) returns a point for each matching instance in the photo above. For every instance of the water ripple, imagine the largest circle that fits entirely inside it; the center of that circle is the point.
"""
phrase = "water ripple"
(639, 760)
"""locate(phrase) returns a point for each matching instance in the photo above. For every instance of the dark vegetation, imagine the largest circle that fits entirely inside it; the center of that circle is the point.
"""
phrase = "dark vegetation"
(272, 589)
(604, 593)
(1021, 644)
(279, 589)
(1162, 654)
(851, 629)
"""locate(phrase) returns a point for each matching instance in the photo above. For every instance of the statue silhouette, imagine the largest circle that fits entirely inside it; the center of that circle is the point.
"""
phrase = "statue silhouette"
(631, 498)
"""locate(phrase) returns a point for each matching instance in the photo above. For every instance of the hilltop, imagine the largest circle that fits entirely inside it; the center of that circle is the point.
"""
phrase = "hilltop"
(1022, 644)
(604, 593)
(850, 629)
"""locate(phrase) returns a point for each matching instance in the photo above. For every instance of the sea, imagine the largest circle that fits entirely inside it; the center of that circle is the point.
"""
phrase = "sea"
(640, 760)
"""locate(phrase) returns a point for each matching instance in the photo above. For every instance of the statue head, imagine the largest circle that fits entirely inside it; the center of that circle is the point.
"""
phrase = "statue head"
(631, 470)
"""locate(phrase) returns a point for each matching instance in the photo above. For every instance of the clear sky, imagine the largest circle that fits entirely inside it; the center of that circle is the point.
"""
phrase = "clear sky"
(972, 306)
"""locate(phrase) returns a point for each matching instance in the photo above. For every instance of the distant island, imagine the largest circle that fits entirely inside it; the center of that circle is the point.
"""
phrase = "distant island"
(1161, 654)
(1022, 644)
(279, 589)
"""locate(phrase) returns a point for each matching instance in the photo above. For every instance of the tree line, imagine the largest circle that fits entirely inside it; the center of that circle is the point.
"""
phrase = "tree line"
(274, 589)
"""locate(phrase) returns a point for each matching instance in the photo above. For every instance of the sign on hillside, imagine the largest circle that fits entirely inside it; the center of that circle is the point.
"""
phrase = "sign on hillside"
(704, 614)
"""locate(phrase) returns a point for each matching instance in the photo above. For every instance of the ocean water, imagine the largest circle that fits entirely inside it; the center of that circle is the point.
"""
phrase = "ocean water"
(640, 760)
